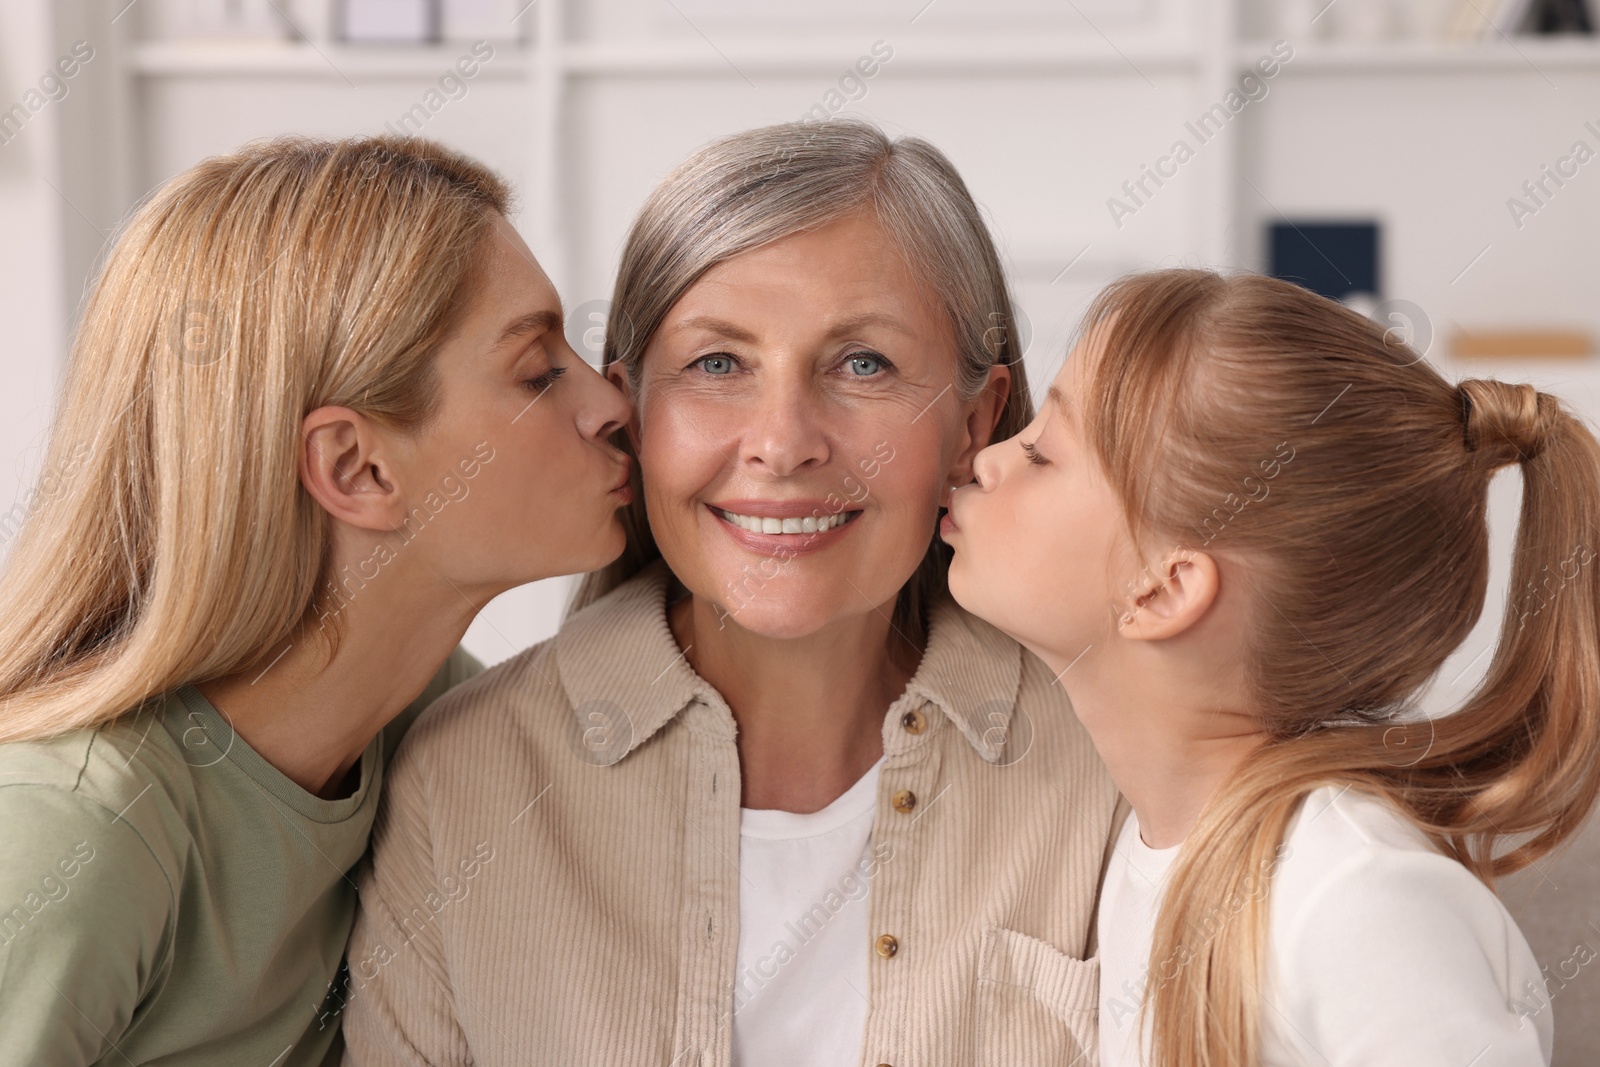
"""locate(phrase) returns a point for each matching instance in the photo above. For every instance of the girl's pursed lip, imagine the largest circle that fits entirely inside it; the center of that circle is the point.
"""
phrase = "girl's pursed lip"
(947, 523)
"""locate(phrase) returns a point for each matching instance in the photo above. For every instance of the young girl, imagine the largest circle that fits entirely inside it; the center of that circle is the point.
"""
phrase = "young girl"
(311, 425)
(1245, 529)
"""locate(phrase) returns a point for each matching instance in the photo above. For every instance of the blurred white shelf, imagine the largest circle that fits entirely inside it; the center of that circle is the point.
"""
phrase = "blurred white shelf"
(973, 55)
(1521, 53)
(222, 59)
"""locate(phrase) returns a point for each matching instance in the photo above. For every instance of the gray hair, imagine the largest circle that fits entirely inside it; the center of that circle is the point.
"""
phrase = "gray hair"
(755, 187)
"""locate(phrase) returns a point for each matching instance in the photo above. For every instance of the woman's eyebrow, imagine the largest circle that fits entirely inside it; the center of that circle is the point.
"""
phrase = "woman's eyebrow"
(720, 327)
(841, 328)
(533, 322)
(868, 318)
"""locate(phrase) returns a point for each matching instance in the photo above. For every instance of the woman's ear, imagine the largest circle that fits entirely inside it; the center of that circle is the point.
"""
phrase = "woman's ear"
(617, 375)
(987, 407)
(1167, 603)
(347, 469)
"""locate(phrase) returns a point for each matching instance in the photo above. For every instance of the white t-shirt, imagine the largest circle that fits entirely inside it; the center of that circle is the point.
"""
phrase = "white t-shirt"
(1382, 952)
(800, 998)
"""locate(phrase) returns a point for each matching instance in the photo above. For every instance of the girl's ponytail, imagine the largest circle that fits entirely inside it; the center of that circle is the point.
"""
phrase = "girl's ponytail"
(1523, 755)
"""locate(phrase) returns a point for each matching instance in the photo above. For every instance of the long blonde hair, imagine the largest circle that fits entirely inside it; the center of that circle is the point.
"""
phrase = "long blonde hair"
(764, 184)
(1247, 417)
(176, 543)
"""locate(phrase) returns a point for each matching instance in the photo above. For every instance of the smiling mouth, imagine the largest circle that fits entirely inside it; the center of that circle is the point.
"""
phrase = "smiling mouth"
(807, 524)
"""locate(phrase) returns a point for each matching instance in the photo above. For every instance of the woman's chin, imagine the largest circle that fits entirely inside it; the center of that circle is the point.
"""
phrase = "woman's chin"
(581, 554)
(783, 608)
(607, 545)
(772, 620)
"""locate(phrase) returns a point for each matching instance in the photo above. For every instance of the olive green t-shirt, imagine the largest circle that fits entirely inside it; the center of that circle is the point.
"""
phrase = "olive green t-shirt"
(167, 895)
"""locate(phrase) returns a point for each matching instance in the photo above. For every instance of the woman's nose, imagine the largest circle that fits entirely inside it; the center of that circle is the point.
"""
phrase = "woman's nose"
(784, 432)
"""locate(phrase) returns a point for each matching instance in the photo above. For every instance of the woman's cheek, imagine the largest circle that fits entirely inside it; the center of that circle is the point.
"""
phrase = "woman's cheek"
(682, 440)
(900, 486)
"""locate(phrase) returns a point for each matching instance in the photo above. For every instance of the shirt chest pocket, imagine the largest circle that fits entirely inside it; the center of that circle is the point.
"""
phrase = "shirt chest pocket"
(1036, 1004)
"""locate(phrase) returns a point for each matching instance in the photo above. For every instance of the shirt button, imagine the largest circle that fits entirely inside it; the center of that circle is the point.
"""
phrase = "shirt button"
(904, 801)
(914, 722)
(887, 946)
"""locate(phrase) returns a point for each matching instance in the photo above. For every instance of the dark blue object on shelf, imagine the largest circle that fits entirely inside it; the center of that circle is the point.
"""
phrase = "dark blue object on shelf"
(1334, 259)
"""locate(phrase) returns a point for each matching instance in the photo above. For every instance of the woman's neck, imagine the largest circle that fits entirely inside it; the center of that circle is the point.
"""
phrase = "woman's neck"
(311, 717)
(809, 710)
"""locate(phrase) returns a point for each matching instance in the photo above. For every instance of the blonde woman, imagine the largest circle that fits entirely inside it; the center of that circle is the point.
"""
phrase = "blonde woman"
(318, 413)
(769, 796)
(1247, 528)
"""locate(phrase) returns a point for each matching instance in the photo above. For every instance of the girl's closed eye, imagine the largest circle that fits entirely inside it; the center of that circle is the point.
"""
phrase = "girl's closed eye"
(1034, 456)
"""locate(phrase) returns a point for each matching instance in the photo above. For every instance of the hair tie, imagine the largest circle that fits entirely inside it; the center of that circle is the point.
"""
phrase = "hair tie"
(1511, 421)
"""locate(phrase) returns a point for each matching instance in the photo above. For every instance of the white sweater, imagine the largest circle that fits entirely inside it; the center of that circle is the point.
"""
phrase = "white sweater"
(1382, 951)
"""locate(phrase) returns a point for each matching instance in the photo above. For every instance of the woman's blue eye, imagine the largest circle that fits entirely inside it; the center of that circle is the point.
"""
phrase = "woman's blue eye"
(867, 357)
(718, 365)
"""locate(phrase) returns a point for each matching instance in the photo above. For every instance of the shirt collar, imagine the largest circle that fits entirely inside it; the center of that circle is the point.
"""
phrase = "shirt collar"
(626, 677)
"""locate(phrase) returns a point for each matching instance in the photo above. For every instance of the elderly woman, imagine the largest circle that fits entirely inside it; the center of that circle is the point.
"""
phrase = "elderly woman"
(769, 796)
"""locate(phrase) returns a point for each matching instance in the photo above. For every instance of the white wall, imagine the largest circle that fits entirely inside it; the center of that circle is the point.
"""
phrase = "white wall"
(1043, 141)
(31, 305)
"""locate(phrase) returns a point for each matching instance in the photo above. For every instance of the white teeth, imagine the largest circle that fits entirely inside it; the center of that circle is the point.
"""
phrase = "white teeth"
(794, 525)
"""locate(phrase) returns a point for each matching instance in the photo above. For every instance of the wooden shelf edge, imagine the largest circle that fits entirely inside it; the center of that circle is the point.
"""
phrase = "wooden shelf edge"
(1521, 343)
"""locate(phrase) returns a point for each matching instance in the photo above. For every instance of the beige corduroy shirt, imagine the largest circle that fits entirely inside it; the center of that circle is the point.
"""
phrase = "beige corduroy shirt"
(555, 867)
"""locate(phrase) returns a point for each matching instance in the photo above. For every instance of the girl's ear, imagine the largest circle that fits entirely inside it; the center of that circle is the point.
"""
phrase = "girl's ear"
(1168, 603)
(346, 466)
